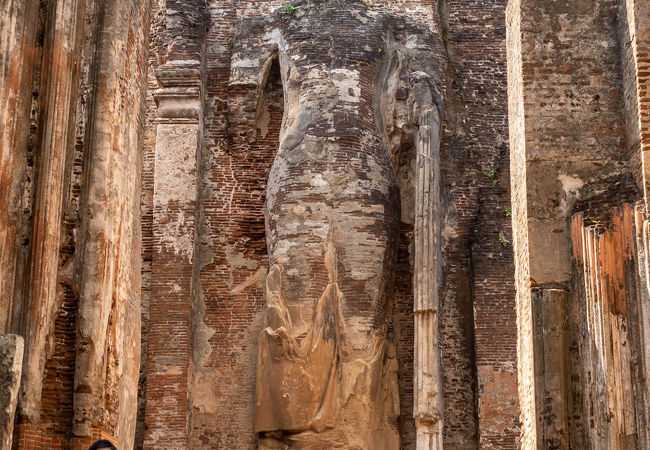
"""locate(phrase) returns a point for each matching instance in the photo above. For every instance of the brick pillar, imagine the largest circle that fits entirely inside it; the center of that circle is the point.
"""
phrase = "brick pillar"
(566, 130)
(174, 202)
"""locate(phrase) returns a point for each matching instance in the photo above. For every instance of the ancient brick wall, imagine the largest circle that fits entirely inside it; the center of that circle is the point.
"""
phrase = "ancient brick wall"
(146, 205)
(477, 136)
(173, 202)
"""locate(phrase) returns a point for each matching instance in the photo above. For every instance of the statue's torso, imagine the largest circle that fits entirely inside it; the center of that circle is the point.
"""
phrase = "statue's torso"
(332, 177)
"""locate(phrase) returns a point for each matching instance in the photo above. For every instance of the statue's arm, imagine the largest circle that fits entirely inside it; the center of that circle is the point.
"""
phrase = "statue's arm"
(253, 52)
(426, 111)
(425, 77)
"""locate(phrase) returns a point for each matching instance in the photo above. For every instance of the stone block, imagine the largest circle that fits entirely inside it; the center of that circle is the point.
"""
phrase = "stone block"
(11, 361)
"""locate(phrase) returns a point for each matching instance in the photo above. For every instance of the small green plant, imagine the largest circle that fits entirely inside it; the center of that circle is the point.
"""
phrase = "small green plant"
(230, 41)
(503, 239)
(508, 211)
(458, 133)
(492, 175)
(289, 9)
(457, 71)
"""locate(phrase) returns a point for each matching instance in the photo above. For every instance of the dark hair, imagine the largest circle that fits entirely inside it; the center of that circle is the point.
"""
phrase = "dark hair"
(102, 444)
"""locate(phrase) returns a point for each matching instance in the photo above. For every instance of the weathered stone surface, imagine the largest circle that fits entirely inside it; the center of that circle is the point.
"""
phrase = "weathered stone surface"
(11, 361)
(332, 217)
(108, 327)
(59, 90)
(613, 322)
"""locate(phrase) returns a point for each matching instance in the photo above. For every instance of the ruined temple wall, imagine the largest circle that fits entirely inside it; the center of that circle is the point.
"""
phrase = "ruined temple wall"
(231, 260)
(239, 249)
(235, 261)
(569, 92)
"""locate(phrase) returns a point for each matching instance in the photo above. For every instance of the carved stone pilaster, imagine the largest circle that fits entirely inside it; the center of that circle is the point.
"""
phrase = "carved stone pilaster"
(178, 99)
(18, 21)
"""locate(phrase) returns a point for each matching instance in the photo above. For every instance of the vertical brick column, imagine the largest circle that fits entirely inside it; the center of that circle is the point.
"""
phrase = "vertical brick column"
(174, 202)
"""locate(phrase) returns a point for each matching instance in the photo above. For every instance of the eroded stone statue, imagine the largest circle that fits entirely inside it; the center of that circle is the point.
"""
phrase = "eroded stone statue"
(356, 81)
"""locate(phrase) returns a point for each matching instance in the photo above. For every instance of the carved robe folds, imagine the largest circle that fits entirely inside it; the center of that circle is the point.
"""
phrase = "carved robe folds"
(324, 365)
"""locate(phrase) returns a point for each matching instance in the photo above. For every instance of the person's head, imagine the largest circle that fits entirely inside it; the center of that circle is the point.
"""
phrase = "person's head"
(102, 445)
